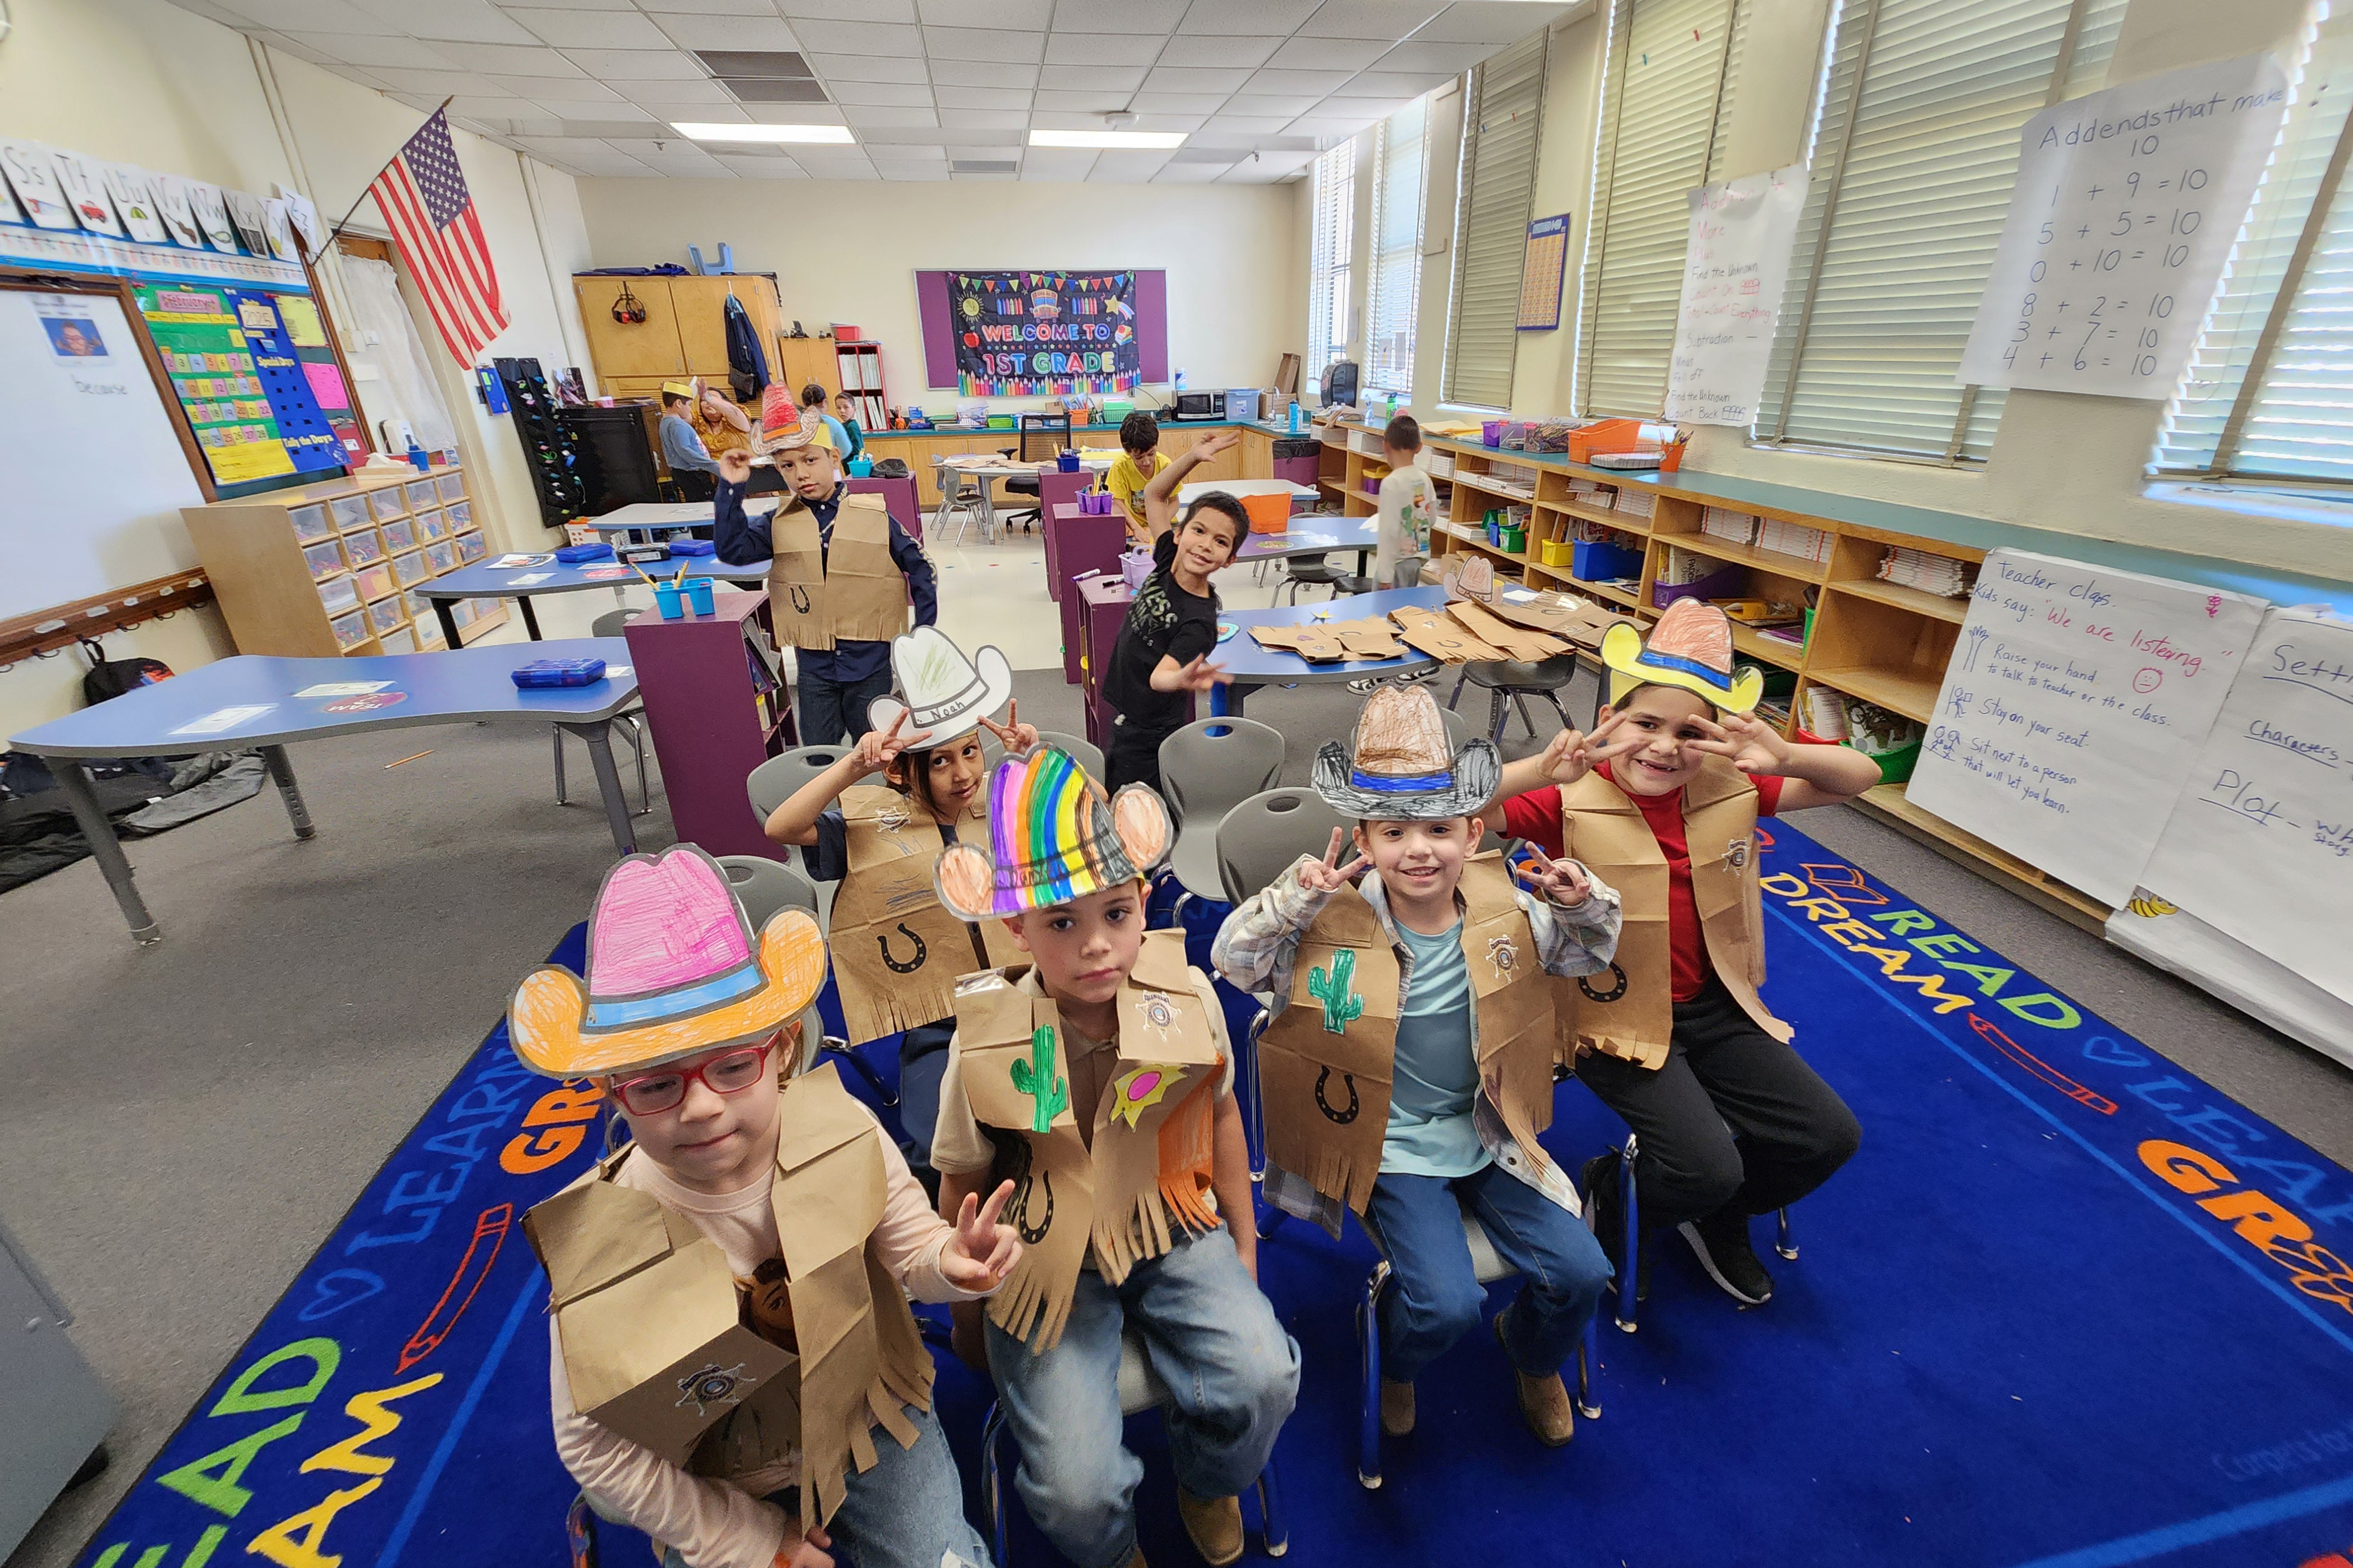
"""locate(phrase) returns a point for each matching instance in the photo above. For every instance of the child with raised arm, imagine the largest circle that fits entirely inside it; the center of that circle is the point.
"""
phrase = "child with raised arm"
(1409, 1069)
(1160, 495)
(1162, 656)
(756, 1214)
(1099, 1080)
(1663, 797)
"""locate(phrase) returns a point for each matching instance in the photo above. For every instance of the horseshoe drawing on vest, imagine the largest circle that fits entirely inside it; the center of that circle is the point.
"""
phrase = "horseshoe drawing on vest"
(882, 941)
(1341, 1117)
(1017, 1207)
(801, 600)
(1585, 984)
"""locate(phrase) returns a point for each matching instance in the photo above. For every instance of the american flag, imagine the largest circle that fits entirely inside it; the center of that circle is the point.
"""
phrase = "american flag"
(423, 196)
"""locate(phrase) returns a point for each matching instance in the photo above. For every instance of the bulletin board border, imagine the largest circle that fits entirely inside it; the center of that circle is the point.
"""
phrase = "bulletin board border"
(939, 330)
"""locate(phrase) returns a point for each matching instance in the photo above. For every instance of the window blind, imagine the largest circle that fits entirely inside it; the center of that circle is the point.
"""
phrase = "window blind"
(1503, 117)
(1912, 169)
(1335, 237)
(2298, 423)
(1401, 154)
(1660, 124)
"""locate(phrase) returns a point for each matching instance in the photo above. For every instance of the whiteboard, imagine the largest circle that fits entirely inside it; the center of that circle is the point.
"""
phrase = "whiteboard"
(2075, 703)
(2127, 205)
(2260, 845)
(96, 475)
(1736, 265)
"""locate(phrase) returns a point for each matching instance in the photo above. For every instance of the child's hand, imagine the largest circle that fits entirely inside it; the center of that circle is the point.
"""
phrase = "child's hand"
(1223, 441)
(809, 1551)
(878, 749)
(1572, 754)
(1200, 675)
(735, 467)
(1328, 875)
(1748, 740)
(1560, 882)
(982, 1252)
(1013, 734)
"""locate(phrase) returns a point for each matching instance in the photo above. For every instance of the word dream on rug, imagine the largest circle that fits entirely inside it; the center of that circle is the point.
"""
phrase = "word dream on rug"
(2069, 1306)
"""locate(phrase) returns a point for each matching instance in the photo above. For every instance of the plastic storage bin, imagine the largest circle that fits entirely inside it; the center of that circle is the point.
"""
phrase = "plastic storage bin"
(420, 609)
(470, 547)
(400, 639)
(421, 492)
(432, 525)
(338, 594)
(461, 515)
(400, 533)
(452, 487)
(364, 547)
(387, 614)
(349, 512)
(324, 559)
(410, 568)
(374, 582)
(349, 630)
(441, 555)
(1242, 403)
(386, 502)
(311, 522)
(552, 672)
(1600, 563)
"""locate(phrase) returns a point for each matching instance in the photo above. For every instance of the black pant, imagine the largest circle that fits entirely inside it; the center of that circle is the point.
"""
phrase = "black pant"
(1135, 756)
(1789, 1131)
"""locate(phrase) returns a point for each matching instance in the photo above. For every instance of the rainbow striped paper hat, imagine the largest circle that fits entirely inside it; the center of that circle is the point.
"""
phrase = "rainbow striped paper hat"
(1054, 839)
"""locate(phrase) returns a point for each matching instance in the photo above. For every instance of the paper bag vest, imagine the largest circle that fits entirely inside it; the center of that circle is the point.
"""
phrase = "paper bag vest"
(1148, 1173)
(661, 1348)
(1629, 1012)
(849, 592)
(897, 954)
(1325, 1065)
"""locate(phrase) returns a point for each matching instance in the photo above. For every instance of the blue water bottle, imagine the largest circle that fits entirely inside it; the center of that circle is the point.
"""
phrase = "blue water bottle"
(1294, 416)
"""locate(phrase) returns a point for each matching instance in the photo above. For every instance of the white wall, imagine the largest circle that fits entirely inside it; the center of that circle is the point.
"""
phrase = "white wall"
(849, 251)
(143, 81)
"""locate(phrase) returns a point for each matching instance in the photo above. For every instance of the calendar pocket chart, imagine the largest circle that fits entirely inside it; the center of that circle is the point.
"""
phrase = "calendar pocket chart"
(2126, 204)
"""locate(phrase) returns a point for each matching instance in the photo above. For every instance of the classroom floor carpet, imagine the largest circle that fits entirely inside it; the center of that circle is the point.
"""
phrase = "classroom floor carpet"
(2064, 1307)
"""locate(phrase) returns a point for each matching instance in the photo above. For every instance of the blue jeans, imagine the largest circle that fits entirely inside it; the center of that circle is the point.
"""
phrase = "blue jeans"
(1210, 1336)
(832, 711)
(1433, 1299)
(905, 1512)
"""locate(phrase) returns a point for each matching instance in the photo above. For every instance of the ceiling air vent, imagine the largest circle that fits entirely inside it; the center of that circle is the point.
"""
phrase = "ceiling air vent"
(754, 62)
(984, 166)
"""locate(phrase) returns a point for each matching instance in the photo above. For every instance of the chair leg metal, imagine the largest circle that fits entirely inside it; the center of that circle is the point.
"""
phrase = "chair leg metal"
(1561, 708)
(1628, 1267)
(992, 1477)
(1496, 717)
(1520, 704)
(1454, 697)
(1368, 1326)
(840, 1050)
(1270, 1510)
(560, 799)
(1588, 1350)
(1783, 1242)
(637, 746)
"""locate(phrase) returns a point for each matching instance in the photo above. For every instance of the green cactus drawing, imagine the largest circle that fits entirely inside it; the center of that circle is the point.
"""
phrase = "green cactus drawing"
(1037, 1078)
(1342, 1006)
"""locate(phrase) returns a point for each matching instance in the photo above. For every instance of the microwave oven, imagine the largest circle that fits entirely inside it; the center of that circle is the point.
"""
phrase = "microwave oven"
(1199, 405)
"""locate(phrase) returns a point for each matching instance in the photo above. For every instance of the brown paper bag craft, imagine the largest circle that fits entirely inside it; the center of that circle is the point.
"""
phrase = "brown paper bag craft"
(825, 590)
(659, 1344)
(1441, 637)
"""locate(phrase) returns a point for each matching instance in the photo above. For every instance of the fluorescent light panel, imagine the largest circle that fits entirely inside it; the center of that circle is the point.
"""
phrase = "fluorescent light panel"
(1106, 139)
(697, 131)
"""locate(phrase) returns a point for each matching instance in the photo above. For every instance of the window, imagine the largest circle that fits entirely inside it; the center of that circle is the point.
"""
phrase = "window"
(2265, 395)
(1916, 152)
(1502, 116)
(1334, 239)
(1401, 154)
(1663, 103)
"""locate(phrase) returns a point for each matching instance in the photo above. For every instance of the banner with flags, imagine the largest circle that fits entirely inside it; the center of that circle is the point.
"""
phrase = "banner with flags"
(423, 196)
(1037, 334)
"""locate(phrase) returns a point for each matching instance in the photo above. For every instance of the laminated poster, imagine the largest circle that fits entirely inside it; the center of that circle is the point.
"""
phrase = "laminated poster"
(213, 374)
(135, 202)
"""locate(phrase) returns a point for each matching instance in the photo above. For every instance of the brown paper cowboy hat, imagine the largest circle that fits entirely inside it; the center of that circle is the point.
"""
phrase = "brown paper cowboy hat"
(1404, 769)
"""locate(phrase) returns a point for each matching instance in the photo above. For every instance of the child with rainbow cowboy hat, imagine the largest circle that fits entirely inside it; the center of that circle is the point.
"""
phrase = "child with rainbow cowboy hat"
(728, 1308)
(1662, 798)
(1098, 1081)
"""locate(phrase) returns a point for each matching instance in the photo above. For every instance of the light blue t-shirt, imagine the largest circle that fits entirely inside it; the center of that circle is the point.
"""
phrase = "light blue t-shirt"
(1430, 1132)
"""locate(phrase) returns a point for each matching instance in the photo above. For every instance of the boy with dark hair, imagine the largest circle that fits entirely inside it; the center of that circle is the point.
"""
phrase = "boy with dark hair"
(1162, 656)
(1139, 459)
(1408, 501)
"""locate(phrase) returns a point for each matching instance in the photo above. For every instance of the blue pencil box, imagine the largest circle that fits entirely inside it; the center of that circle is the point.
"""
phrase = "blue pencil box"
(573, 554)
(682, 548)
(545, 672)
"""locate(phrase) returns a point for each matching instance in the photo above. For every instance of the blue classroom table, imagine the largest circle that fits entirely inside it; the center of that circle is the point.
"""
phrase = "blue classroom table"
(1248, 666)
(1314, 534)
(484, 581)
(252, 700)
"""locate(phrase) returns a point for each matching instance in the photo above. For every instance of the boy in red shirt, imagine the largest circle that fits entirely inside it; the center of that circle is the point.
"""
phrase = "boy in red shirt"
(1661, 800)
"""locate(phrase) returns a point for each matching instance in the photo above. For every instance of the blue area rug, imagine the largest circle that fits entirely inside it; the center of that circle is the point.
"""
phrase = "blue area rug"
(2069, 1306)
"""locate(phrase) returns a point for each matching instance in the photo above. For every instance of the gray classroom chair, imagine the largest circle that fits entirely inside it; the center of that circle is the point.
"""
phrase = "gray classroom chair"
(1261, 836)
(764, 886)
(1206, 769)
(1085, 751)
(610, 625)
(1513, 681)
(780, 778)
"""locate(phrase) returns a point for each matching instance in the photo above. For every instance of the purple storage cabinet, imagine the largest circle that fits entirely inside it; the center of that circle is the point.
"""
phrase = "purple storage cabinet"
(899, 499)
(1054, 489)
(1090, 543)
(1103, 609)
(695, 679)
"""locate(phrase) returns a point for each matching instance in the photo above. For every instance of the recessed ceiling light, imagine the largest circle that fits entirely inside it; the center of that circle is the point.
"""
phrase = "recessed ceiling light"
(1106, 139)
(701, 133)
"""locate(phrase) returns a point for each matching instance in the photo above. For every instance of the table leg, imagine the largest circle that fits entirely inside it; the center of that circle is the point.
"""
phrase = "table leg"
(530, 616)
(442, 609)
(1237, 693)
(104, 847)
(282, 773)
(600, 737)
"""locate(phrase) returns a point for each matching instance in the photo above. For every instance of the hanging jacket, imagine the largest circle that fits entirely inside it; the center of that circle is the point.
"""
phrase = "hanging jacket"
(747, 366)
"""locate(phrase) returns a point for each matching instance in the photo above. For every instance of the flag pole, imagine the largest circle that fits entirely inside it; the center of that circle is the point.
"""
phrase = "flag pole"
(380, 168)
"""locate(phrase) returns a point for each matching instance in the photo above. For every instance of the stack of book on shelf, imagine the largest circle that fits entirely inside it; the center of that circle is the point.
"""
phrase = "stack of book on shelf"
(1682, 566)
(1938, 574)
(1732, 527)
(1826, 713)
(1635, 503)
(1794, 538)
(768, 688)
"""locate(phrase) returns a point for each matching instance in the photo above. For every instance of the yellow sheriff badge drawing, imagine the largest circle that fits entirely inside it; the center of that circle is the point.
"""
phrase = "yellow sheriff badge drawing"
(1140, 1089)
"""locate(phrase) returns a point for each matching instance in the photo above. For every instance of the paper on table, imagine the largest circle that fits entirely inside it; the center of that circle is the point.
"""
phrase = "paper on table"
(528, 578)
(1735, 266)
(342, 688)
(222, 719)
(514, 559)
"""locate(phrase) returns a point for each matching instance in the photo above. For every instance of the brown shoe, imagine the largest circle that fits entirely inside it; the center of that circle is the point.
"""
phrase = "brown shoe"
(1397, 1407)
(1214, 1523)
(1544, 1401)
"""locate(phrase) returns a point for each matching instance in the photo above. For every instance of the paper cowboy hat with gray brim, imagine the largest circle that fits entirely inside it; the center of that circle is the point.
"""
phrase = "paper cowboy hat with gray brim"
(1404, 768)
(942, 691)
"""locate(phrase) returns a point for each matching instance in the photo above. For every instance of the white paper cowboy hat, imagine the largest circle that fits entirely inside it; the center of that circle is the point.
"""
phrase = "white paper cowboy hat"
(1404, 769)
(1473, 580)
(946, 693)
(1690, 649)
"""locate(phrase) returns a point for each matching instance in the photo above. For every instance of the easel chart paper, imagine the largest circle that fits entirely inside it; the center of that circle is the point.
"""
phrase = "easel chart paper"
(2075, 704)
(1735, 266)
(2260, 844)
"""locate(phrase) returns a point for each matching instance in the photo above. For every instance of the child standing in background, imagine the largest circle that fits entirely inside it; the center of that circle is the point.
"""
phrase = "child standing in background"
(813, 410)
(1162, 656)
(1408, 501)
(1139, 459)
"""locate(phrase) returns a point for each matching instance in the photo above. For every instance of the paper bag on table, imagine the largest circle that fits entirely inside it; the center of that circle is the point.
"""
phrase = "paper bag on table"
(1517, 641)
(1441, 637)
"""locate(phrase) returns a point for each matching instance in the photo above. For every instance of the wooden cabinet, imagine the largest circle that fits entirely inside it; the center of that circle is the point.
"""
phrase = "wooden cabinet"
(800, 361)
(647, 348)
(701, 307)
(684, 333)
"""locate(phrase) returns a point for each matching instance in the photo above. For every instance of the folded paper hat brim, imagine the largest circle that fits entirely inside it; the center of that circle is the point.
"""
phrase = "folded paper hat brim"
(1476, 773)
(544, 1021)
(1622, 651)
(964, 713)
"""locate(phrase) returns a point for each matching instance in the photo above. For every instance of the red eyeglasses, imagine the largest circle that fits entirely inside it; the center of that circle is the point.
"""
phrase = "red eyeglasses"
(650, 1094)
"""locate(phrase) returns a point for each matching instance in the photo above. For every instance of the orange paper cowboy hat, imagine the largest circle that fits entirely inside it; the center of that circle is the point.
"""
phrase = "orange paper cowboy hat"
(674, 968)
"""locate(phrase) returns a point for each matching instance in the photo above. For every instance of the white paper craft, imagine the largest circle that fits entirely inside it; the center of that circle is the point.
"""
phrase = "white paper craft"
(34, 178)
(303, 214)
(277, 229)
(174, 199)
(2071, 709)
(343, 688)
(84, 182)
(1735, 266)
(221, 718)
(134, 202)
(252, 224)
(212, 217)
(2127, 205)
(2172, 938)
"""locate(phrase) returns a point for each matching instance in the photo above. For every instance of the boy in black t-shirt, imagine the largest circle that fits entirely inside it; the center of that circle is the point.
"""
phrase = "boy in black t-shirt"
(1162, 656)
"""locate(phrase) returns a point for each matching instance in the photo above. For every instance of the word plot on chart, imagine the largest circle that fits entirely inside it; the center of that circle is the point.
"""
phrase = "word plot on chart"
(2123, 212)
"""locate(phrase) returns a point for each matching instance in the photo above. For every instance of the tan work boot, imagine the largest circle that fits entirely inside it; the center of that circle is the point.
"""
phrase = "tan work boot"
(1544, 1401)
(1214, 1523)
(1397, 1407)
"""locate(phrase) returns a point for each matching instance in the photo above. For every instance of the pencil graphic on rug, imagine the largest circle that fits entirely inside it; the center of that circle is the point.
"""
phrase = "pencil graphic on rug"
(481, 1251)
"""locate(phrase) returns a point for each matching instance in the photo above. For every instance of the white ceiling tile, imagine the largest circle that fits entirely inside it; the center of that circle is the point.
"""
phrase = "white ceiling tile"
(595, 158)
(831, 169)
(983, 43)
(900, 93)
(365, 78)
(1327, 54)
(868, 67)
(727, 32)
(906, 153)
(1188, 173)
(602, 114)
(1028, 16)
(794, 114)
(1283, 162)
(849, 10)
(1247, 18)
(1406, 85)
(1195, 79)
(1282, 106)
(467, 21)
(1387, 20)
(1176, 103)
(580, 5)
(558, 89)
(1103, 81)
(1102, 48)
(1065, 165)
(1326, 129)
(673, 94)
(983, 73)
(989, 119)
(1291, 83)
(589, 30)
(359, 49)
(861, 37)
(1366, 108)
(1496, 22)
(1129, 164)
(1094, 102)
(701, 113)
(901, 114)
(1158, 17)
(1246, 125)
(1074, 120)
(894, 141)
(982, 97)
(494, 107)
(713, 8)
(423, 81)
(617, 66)
(510, 60)
(1191, 49)
(764, 167)
(320, 16)
(1415, 56)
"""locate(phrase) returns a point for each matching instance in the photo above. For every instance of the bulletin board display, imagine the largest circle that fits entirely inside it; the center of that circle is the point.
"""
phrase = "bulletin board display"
(1147, 296)
(305, 383)
(226, 394)
(1035, 335)
(1544, 265)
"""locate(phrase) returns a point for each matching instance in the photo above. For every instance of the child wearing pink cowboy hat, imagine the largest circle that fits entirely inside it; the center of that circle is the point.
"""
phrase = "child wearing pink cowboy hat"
(728, 1313)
